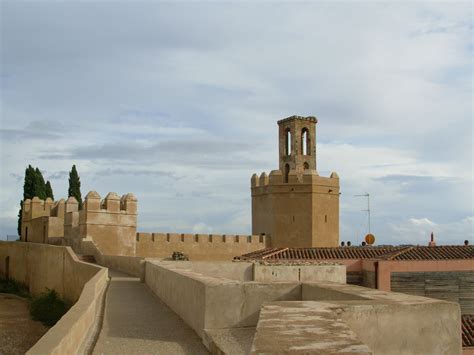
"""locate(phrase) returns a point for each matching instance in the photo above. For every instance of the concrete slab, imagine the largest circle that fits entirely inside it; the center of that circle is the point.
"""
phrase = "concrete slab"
(304, 328)
(137, 322)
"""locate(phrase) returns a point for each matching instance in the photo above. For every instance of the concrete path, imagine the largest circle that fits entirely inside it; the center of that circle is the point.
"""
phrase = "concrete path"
(138, 322)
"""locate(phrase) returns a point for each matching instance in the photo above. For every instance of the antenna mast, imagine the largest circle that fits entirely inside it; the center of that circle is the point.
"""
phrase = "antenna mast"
(368, 205)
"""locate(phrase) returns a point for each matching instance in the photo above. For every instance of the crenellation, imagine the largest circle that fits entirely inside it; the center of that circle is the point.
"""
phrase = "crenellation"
(128, 203)
(254, 181)
(71, 205)
(48, 203)
(58, 209)
(263, 181)
(293, 177)
(276, 177)
(111, 202)
(296, 117)
(92, 201)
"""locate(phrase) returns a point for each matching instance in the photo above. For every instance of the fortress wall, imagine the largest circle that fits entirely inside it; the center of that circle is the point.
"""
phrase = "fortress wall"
(197, 246)
(42, 266)
(111, 223)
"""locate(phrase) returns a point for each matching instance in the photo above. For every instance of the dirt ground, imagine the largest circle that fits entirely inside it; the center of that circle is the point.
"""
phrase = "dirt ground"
(18, 332)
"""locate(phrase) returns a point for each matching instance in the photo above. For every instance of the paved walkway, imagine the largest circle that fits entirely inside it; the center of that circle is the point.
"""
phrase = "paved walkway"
(138, 322)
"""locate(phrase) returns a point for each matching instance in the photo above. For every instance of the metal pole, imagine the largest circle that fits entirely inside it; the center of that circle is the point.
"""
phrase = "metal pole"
(368, 208)
(368, 205)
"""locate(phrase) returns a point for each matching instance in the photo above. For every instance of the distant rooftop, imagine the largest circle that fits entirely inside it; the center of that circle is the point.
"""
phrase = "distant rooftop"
(444, 252)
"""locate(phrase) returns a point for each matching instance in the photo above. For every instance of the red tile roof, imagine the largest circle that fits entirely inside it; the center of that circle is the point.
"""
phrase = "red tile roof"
(444, 252)
(467, 330)
(366, 252)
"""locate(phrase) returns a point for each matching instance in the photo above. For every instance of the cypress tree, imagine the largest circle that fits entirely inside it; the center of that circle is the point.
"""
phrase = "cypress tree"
(49, 190)
(29, 185)
(39, 185)
(75, 186)
(28, 191)
(19, 217)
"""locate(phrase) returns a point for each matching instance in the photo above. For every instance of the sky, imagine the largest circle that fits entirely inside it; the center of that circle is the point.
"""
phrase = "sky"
(178, 103)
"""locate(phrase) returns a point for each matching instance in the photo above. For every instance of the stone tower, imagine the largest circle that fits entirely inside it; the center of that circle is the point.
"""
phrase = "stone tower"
(294, 205)
(297, 143)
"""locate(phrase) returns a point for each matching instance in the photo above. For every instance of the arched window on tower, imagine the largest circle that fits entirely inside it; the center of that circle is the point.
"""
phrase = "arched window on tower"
(306, 165)
(288, 142)
(287, 172)
(305, 142)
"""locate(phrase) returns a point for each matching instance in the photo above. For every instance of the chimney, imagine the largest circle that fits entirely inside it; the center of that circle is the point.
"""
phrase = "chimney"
(432, 242)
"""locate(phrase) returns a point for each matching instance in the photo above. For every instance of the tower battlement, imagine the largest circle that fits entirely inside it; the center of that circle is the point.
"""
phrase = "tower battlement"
(309, 177)
(36, 207)
(296, 117)
(112, 203)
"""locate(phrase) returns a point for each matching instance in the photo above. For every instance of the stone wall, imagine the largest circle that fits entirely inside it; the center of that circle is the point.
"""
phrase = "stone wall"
(217, 247)
(111, 223)
(205, 302)
(300, 273)
(364, 319)
(42, 267)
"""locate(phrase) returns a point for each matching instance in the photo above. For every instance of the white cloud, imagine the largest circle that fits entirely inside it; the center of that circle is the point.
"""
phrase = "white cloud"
(418, 231)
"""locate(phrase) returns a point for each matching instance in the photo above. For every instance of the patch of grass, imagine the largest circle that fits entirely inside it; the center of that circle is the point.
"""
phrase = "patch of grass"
(14, 287)
(48, 308)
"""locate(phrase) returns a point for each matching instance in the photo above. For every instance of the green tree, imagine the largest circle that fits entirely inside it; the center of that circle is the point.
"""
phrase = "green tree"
(29, 184)
(75, 186)
(19, 217)
(39, 185)
(49, 190)
(28, 191)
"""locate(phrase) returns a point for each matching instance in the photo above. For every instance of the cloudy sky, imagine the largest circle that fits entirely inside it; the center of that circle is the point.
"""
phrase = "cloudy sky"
(178, 103)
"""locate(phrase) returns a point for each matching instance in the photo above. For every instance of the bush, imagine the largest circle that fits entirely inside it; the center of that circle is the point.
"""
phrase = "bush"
(14, 287)
(48, 307)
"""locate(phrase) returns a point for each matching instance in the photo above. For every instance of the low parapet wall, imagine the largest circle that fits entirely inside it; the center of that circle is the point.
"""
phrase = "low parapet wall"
(42, 266)
(385, 321)
(336, 314)
(74, 331)
(206, 302)
(216, 247)
(300, 273)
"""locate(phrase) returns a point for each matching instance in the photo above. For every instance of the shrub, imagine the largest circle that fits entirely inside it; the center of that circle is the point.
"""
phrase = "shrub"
(14, 287)
(48, 307)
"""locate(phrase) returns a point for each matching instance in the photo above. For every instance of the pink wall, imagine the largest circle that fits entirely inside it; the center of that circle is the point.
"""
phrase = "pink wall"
(385, 268)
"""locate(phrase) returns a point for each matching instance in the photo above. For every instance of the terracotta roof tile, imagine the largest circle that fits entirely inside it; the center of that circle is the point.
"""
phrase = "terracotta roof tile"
(467, 330)
(358, 252)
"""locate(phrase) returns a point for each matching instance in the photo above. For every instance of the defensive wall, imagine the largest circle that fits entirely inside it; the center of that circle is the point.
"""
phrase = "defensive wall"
(368, 321)
(43, 220)
(111, 224)
(43, 267)
(300, 212)
(197, 247)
